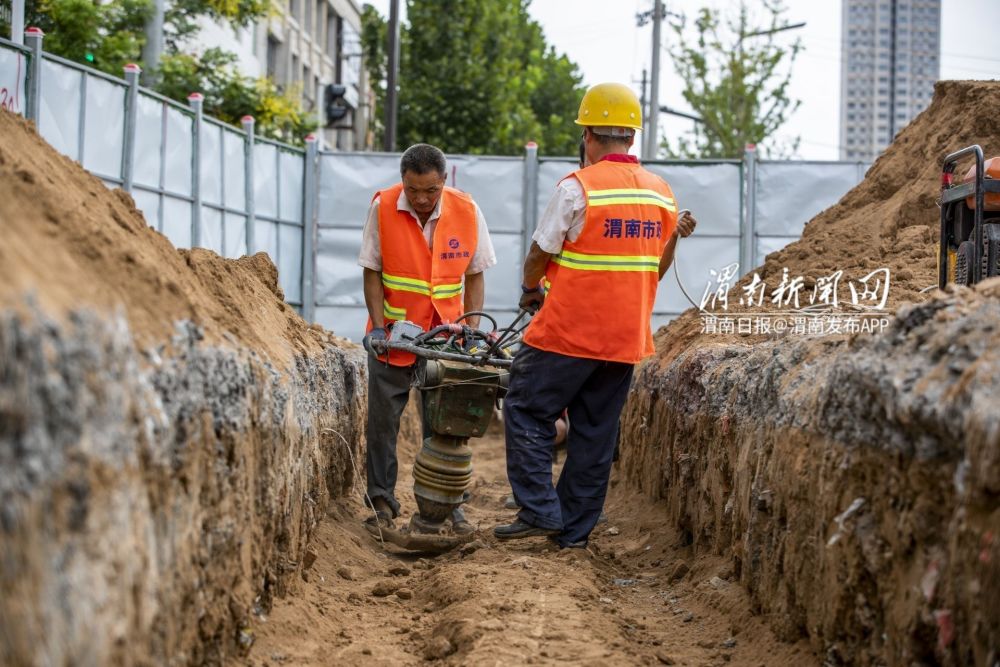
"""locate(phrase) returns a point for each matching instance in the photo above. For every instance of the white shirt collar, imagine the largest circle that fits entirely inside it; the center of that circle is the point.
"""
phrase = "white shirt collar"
(403, 204)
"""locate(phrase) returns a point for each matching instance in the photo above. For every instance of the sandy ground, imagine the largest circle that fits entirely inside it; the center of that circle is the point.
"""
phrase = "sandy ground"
(632, 598)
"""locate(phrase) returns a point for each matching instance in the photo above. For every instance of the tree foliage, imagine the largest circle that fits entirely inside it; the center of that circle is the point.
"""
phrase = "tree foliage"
(229, 95)
(736, 80)
(109, 35)
(476, 76)
(104, 36)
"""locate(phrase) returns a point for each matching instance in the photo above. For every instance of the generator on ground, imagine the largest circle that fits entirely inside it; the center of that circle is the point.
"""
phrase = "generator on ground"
(970, 220)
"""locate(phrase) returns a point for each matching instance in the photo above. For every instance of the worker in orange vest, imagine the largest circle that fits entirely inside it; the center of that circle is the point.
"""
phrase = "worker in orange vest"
(424, 249)
(598, 253)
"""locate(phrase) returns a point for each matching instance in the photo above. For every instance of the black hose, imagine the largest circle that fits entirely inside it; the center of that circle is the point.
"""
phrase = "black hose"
(481, 314)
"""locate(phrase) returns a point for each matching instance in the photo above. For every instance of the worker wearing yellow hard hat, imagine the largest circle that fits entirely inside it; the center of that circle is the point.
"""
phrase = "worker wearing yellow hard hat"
(602, 245)
(610, 105)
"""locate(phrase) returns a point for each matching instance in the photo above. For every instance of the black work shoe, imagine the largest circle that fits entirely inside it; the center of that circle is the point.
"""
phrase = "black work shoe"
(510, 503)
(519, 529)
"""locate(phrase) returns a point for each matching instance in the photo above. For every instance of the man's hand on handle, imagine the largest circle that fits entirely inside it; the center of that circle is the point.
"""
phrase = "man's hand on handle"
(685, 223)
(531, 298)
(374, 342)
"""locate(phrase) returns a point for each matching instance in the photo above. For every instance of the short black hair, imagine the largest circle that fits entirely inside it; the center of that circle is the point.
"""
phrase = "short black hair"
(422, 159)
(606, 140)
(583, 152)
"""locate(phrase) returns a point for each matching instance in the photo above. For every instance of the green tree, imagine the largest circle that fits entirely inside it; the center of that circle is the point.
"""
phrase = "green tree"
(109, 35)
(229, 95)
(476, 76)
(736, 74)
(104, 36)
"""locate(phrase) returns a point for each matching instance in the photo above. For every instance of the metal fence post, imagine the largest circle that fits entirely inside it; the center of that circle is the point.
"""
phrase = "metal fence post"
(33, 38)
(132, 72)
(748, 228)
(529, 196)
(309, 224)
(196, 102)
(248, 127)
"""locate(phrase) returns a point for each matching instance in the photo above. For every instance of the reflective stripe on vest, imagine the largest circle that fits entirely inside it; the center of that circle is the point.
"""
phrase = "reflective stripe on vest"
(406, 284)
(629, 196)
(446, 291)
(390, 313)
(583, 262)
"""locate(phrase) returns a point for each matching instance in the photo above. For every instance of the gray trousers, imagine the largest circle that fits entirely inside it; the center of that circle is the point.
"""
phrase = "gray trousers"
(388, 394)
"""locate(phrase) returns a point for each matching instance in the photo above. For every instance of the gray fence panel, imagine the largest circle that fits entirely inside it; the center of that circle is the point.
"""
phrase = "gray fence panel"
(177, 221)
(503, 280)
(338, 276)
(495, 184)
(212, 163)
(789, 194)
(177, 163)
(267, 238)
(211, 229)
(59, 108)
(711, 191)
(265, 181)
(13, 80)
(290, 179)
(695, 258)
(347, 183)
(104, 129)
(236, 235)
(149, 203)
(148, 141)
(234, 174)
(346, 321)
(289, 262)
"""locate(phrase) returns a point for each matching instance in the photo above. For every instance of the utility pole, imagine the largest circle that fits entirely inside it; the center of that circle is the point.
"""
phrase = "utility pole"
(652, 124)
(153, 49)
(642, 96)
(393, 71)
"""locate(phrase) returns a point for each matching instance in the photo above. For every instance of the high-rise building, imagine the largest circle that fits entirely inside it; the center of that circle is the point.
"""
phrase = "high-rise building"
(891, 57)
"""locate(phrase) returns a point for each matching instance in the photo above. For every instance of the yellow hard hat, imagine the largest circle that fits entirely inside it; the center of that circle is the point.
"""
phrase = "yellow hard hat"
(610, 105)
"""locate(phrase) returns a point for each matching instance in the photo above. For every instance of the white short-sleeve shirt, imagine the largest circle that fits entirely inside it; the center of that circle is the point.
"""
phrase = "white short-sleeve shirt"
(563, 217)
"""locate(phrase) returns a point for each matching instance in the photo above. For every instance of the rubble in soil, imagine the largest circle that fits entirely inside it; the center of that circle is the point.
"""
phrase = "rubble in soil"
(171, 432)
(852, 480)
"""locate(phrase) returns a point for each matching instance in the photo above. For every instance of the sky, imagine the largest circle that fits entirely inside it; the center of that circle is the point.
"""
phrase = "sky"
(602, 38)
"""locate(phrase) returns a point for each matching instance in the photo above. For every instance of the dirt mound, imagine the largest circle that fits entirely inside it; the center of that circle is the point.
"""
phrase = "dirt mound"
(70, 241)
(891, 218)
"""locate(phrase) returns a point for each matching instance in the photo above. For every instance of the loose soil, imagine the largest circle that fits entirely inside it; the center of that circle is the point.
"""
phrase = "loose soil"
(635, 597)
(890, 219)
(68, 241)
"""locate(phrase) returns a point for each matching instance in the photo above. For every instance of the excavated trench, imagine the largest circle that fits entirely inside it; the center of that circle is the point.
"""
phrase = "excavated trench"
(175, 442)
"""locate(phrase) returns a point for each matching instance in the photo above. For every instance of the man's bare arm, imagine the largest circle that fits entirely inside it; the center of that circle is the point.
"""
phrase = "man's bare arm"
(475, 294)
(534, 265)
(374, 296)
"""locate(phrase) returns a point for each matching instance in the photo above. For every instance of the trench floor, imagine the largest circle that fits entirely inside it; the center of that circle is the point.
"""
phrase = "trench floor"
(634, 598)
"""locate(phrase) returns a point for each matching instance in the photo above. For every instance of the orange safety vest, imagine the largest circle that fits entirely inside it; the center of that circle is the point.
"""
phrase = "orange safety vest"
(421, 284)
(602, 286)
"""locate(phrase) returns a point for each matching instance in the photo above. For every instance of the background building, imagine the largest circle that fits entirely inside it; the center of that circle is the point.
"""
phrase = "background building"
(315, 46)
(890, 61)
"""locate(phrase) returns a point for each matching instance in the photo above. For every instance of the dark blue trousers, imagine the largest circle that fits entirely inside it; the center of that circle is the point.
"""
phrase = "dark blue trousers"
(542, 385)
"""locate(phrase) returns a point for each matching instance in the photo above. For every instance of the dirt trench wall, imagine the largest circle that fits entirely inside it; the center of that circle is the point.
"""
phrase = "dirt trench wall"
(152, 500)
(854, 483)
